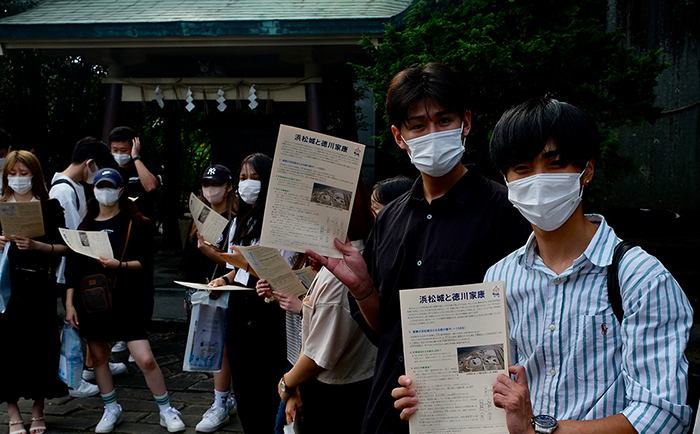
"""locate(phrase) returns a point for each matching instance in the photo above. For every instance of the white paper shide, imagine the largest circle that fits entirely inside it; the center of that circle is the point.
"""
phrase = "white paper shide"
(455, 344)
(312, 189)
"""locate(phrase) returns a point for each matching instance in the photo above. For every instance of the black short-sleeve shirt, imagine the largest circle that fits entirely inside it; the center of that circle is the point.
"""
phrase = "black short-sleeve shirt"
(134, 189)
(416, 244)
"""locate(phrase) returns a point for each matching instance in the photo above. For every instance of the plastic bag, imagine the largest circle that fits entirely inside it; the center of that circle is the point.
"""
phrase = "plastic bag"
(70, 365)
(5, 284)
(207, 334)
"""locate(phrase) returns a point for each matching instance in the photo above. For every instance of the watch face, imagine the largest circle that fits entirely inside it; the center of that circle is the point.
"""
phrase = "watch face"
(545, 421)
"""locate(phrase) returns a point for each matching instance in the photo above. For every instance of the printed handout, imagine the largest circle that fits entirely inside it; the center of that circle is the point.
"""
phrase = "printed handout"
(455, 341)
(94, 244)
(312, 189)
(21, 219)
(306, 275)
(205, 287)
(268, 264)
(210, 224)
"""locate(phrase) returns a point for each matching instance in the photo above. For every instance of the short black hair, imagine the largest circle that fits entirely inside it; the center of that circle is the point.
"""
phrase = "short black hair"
(389, 189)
(430, 83)
(524, 130)
(121, 134)
(91, 148)
(5, 139)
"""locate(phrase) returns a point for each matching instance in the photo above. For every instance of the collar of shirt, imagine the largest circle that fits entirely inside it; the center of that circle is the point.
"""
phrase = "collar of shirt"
(459, 192)
(599, 251)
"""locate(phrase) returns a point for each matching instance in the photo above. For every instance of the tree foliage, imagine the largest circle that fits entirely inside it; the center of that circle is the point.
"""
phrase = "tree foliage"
(510, 50)
(48, 103)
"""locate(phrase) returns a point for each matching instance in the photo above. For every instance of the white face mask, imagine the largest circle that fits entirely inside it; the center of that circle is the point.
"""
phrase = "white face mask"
(91, 174)
(249, 190)
(547, 200)
(20, 184)
(214, 194)
(121, 159)
(108, 196)
(435, 154)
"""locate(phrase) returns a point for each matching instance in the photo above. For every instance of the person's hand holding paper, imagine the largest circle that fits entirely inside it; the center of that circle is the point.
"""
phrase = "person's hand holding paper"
(350, 269)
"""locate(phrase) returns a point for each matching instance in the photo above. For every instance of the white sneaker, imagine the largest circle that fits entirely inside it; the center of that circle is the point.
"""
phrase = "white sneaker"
(213, 419)
(84, 390)
(119, 347)
(170, 419)
(231, 405)
(115, 369)
(110, 418)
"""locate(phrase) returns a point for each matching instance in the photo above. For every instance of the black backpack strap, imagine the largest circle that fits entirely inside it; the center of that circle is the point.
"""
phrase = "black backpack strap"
(614, 293)
(615, 297)
(65, 181)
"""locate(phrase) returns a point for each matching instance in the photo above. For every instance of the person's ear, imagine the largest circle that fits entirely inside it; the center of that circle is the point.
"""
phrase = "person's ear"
(396, 132)
(588, 173)
(467, 118)
(229, 187)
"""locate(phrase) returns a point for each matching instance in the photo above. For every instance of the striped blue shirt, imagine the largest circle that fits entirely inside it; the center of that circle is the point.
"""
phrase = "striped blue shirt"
(581, 363)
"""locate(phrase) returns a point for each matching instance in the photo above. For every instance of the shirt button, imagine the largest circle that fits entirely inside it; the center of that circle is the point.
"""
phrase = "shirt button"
(400, 358)
(557, 281)
(553, 372)
(430, 216)
(419, 263)
(552, 327)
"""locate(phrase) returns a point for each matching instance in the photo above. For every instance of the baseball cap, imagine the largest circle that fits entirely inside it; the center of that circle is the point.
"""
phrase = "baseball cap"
(109, 175)
(218, 173)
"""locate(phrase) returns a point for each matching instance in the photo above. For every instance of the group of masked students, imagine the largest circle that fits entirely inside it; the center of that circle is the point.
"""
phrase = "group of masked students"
(335, 356)
(121, 184)
(575, 367)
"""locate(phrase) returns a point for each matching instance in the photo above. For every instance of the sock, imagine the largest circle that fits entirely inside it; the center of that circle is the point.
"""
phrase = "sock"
(163, 402)
(220, 398)
(110, 400)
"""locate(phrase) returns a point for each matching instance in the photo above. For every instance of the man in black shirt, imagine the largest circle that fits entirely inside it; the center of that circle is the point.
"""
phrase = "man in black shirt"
(140, 182)
(447, 230)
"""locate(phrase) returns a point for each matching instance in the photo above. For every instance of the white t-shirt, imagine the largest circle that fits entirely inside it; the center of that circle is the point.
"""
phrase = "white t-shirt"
(74, 216)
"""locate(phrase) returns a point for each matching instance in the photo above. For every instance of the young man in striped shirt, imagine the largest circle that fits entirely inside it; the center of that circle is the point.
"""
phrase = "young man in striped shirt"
(575, 364)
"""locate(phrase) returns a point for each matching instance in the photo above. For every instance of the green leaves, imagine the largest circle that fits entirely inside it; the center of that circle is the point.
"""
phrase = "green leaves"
(510, 50)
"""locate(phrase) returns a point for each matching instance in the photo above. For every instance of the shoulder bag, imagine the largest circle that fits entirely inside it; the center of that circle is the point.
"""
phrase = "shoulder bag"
(97, 289)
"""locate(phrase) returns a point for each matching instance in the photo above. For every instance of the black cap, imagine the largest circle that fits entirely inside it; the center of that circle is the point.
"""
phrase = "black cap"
(218, 173)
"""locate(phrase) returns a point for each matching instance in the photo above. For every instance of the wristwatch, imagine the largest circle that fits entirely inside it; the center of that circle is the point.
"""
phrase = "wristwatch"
(284, 388)
(138, 157)
(544, 424)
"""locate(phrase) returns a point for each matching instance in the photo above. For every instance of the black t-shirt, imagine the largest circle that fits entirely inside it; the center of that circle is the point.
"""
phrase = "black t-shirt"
(134, 189)
(132, 290)
(414, 244)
